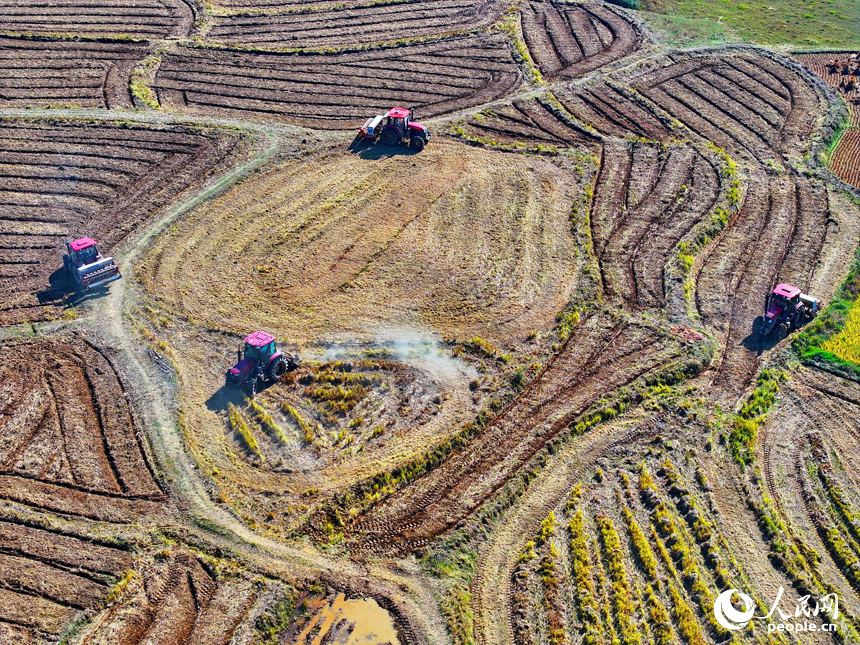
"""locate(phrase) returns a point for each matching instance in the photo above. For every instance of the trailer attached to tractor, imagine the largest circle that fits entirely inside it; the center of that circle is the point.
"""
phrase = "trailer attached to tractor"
(396, 128)
(260, 360)
(87, 266)
(786, 308)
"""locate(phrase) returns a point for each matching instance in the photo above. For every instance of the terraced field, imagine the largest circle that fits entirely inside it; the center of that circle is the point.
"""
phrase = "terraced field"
(72, 179)
(147, 19)
(338, 90)
(568, 40)
(354, 24)
(55, 72)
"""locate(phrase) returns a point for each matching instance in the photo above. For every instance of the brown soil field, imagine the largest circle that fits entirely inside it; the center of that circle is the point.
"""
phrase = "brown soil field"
(845, 157)
(147, 19)
(54, 72)
(339, 90)
(66, 180)
(535, 121)
(369, 248)
(67, 427)
(568, 40)
(353, 24)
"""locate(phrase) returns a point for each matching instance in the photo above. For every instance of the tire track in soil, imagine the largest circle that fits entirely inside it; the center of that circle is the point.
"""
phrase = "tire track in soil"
(491, 588)
(575, 379)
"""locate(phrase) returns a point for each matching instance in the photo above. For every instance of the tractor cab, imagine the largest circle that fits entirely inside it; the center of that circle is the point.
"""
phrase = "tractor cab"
(399, 119)
(259, 347)
(786, 308)
(784, 298)
(83, 251)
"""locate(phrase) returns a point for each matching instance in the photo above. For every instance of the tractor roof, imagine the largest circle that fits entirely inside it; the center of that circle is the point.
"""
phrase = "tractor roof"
(83, 243)
(398, 113)
(259, 339)
(786, 291)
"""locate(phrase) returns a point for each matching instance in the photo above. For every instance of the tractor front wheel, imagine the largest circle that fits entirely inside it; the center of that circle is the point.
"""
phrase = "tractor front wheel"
(417, 144)
(277, 369)
(389, 138)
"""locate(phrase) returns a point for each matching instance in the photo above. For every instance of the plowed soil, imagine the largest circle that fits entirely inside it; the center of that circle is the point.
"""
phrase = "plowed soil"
(356, 23)
(338, 90)
(147, 19)
(61, 181)
(53, 72)
(568, 40)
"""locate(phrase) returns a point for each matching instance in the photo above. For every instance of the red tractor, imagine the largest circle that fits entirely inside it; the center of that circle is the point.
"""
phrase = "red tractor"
(398, 128)
(87, 266)
(260, 360)
(786, 308)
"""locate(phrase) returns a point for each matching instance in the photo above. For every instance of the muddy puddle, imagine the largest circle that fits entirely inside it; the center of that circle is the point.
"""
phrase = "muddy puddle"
(349, 622)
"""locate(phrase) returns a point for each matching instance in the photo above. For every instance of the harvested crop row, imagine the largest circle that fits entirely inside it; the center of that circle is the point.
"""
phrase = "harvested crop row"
(609, 111)
(342, 89)
(61, 181)
(137, 19)
(339, 242)
(568, 40)
(647, 200)
(354, 24)
(49, 72)
(749, 105)
(65, 420)
(845, 160)
(600, 357)
(533, 121)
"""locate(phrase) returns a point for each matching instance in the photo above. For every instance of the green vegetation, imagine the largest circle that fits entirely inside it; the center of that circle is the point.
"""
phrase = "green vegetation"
(277, 618)
(687, 622)
(580, 567)
(456, 607)
(804, 24)
(641, 545)
(622, 597)
(241, 427)
(833, 338)
(660, 621)
(753, 414)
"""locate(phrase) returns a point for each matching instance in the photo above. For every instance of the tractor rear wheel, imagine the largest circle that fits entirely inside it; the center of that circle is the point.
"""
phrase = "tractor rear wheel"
(389, 138)
(417, 144)
(277, 369)
(255, 384)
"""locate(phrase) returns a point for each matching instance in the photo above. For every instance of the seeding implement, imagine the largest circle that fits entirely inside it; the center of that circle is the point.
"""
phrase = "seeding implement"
(786, 308)
(398, 128)
(87, 266)
(260, 360)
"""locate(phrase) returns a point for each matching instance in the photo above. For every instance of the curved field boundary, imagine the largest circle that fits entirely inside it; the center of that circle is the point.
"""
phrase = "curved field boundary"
(608, 110)
(128, 18)
(600, 356)
(49, 577)
(845, 157)
(647, 199)
(355, 24)
(62, 181)
(338, 90)
(46, 72)
(65, 420)
(532, 121)
(568, 40)
(746, 103)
